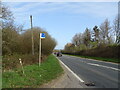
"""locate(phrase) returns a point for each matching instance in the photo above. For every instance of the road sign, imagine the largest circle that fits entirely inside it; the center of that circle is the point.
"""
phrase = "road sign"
(42, 35)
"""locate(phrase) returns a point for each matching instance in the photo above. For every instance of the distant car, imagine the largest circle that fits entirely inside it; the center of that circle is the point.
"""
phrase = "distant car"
(55, 53)
(59, 54)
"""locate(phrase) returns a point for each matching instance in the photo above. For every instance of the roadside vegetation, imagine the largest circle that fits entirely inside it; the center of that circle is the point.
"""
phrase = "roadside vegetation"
(16, 45)
(17, 42)
(34, 76)
(101, 42)
(1, 72)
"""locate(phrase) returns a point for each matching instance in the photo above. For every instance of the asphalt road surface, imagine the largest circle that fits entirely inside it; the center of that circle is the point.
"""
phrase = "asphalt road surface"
(101, 74)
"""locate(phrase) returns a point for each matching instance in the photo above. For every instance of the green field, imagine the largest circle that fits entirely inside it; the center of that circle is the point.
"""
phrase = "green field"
(34, 75)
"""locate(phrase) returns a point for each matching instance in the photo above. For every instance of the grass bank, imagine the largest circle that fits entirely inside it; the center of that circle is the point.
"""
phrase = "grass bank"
(34, 75)
(0, 72)
(114, 60)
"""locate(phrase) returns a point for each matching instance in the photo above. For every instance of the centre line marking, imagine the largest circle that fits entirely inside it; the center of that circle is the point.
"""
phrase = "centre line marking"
(103, 66)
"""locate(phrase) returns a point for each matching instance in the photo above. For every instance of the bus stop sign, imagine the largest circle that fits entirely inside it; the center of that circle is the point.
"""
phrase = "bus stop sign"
(42, 35)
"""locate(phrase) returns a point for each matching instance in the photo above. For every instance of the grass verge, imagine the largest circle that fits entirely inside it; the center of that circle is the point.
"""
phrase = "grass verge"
(34, 75)
(114, 60)
(0, 72)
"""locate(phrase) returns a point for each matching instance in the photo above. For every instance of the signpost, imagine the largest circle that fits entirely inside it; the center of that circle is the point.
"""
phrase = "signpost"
(42, 36)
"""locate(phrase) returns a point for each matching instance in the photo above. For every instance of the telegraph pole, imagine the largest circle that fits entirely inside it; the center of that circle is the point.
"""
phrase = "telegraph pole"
(32, 35)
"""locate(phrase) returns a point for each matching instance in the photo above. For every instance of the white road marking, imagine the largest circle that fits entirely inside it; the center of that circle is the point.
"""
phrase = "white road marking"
(94, 60)
(99, 64)
(93, 64)
(103, 66)
(71, 71)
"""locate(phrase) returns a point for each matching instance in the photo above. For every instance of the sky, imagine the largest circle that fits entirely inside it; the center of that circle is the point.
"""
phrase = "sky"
(62, 20)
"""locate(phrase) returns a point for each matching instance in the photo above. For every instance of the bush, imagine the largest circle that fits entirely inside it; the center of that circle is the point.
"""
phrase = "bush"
(12, 61)
(17, 46)
(105, 52)
(48, 43)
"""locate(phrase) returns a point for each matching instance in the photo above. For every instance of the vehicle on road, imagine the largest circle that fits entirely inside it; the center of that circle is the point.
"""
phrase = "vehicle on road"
(58, 54)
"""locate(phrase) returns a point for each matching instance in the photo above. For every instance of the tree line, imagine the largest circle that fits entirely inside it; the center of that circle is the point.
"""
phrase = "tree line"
(100, 37)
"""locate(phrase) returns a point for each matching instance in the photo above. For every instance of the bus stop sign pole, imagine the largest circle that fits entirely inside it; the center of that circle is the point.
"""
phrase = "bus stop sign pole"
(42, 36)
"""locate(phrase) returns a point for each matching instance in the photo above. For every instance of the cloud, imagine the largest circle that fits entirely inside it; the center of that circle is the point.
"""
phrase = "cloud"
(104, 10)
(95, 9)
(60, 0)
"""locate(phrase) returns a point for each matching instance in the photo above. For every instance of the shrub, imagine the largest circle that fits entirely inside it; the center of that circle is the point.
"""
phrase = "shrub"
(105, 52)
(12, 61)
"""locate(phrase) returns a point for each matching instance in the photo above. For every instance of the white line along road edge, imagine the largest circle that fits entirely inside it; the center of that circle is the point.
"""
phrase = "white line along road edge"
(71, 71)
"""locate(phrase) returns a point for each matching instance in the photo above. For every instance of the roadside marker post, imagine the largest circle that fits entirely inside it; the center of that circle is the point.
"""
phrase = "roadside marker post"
(42, 36)
(21, 66)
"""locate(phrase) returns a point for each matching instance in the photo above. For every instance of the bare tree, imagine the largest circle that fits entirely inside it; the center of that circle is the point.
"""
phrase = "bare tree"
(116, 29)
(77, 39)
(105, 30)
(6, 14)
(87, 37)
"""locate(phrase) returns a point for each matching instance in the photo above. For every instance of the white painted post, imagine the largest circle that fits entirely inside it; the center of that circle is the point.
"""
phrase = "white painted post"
(21, 65)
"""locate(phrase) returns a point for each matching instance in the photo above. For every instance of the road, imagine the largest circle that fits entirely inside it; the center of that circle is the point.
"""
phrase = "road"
(102, 74)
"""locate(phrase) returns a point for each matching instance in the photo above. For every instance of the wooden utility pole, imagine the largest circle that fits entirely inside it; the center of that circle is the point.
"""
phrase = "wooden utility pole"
(32, 35)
